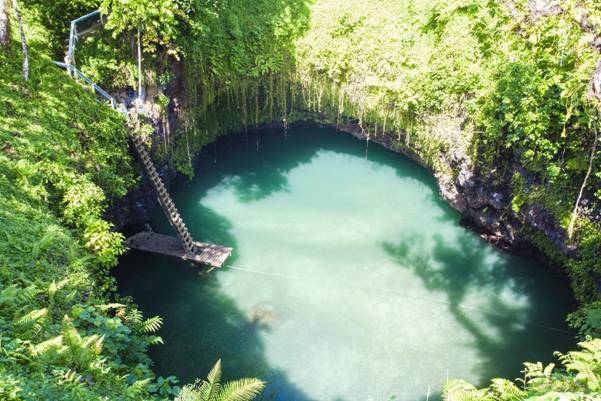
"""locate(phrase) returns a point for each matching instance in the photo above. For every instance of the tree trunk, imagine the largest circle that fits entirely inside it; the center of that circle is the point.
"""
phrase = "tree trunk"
(4, 24)
(139, 66)
(23, 41)
(586, 177)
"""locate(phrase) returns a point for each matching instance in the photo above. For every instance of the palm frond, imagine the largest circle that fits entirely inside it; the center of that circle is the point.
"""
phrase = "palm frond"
(240, 390)
(215, 373)
(212, 385)
(211, 390)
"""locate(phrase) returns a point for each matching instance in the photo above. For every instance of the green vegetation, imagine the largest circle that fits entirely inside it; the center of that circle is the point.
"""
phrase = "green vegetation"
(514, 92)
(62, 155)
(514, 95)
(543, 383)
(211, 389)
(63, 333)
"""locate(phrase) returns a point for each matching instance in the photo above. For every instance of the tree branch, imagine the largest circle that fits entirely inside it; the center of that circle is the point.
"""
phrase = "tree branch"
(588, 174)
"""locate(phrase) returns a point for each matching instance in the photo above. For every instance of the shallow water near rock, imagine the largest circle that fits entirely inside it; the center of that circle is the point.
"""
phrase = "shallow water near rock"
(350, 279)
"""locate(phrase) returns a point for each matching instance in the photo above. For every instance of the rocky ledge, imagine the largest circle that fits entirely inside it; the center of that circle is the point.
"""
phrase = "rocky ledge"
(485, 208)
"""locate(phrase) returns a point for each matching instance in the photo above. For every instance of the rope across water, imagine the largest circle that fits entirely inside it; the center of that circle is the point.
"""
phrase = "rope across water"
(391, 292)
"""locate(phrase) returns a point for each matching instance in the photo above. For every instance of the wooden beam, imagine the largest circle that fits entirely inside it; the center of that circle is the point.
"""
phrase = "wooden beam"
(206, 254)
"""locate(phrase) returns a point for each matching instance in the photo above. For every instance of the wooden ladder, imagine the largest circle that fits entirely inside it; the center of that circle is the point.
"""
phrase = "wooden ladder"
(164, 198)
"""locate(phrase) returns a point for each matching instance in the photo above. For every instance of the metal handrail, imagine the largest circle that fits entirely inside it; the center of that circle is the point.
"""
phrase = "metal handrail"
(74, 72)
(73, 35)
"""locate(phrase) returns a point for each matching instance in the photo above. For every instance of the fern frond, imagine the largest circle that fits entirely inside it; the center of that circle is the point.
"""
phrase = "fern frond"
(54, 287)
(93, 344)
(43, 348)
(33, 320)
(505, 390)
(240, 390)
(28, 294)
(152, 325)
(68, 377)
(154, 340)
(134, 317)
(71, 336)
(9, 294)
(459, 390)
(111, 306)
(137, 389)
(586, 363)
(536, 375)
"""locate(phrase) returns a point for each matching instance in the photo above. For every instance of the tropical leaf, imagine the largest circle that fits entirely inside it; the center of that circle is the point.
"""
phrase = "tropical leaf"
(152, 325)
(211, 389)
(154, 340)
(459, 390)
(586, 363)
(54, 287)
(240, 390)
(45, 347)
(135, 391)
(212, 385)
(33, 321)
(505, 390)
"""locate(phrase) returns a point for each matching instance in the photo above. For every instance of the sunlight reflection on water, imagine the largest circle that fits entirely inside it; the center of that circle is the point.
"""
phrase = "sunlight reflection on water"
(350, 279)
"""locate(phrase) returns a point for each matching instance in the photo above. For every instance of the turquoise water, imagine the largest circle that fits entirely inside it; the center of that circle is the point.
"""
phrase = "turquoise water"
(351, 279)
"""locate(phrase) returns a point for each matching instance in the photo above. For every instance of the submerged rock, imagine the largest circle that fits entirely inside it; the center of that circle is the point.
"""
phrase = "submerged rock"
(263, 314)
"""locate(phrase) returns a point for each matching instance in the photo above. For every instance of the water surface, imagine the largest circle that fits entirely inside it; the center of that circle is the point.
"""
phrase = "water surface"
(350, 280)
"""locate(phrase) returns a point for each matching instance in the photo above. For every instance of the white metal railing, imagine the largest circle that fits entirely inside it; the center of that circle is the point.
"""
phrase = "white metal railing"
(98, 91)
(74, 36)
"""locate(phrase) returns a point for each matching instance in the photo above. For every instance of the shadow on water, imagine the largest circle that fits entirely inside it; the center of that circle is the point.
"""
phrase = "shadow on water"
(196, 307)
(460, 267)
(198, 300)
(258, 173)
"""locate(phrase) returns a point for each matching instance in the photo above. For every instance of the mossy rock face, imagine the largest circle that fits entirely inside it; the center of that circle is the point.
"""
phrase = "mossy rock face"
(264, 314)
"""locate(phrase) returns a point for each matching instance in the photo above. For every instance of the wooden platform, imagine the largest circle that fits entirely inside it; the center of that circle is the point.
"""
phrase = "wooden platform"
(207, 254)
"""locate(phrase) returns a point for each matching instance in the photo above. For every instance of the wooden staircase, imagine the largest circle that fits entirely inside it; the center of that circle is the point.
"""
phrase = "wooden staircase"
(186, 248)
(175, 219)
(183, 246)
